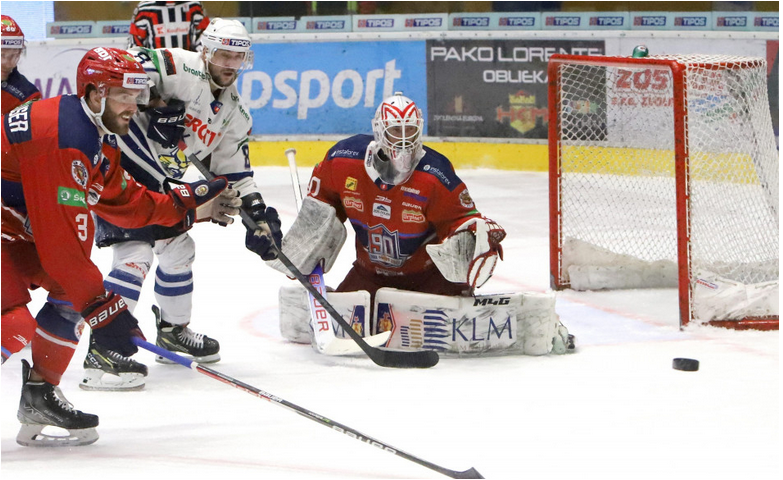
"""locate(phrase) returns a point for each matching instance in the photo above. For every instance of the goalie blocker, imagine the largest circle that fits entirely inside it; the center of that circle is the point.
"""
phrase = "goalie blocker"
(517, 323)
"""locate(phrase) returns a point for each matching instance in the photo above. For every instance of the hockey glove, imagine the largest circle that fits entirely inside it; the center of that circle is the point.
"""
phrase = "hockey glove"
(261, 239)
(470, 253)
(112, 324)
(167, 123)
(221, 209)
(485, 255)
(190, 196)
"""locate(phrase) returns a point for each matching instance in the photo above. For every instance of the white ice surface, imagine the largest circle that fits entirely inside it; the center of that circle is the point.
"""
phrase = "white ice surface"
(614, 410)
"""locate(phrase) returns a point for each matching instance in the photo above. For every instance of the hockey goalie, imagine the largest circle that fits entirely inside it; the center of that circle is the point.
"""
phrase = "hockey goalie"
(422, 249)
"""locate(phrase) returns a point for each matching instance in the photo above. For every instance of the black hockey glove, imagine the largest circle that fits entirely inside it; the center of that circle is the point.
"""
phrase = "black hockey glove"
(167, 123)
(112, 324)
(260, 240)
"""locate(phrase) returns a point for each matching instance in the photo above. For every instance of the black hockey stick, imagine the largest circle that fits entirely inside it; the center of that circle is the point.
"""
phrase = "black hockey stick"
(384, 358)
(471, 473)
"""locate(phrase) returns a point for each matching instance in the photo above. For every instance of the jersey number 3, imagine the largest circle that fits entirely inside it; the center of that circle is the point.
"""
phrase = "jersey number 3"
(81, 226)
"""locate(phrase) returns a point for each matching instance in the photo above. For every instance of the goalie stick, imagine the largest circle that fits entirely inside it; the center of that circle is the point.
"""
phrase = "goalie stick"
(470, 473)
(383, 358)
(291, 155)
(325, 340)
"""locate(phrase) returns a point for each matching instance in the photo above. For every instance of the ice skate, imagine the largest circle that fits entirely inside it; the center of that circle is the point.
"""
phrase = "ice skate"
(43, 406)
(107, 370)
(182, 340)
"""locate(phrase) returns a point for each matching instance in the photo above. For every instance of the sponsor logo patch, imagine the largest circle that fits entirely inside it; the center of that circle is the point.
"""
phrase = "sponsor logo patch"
(344, 153)
(351, 184)
(412, 216)
(382, 211)
(235, 42)
(355, 203)
(134, 80)
(71, 197)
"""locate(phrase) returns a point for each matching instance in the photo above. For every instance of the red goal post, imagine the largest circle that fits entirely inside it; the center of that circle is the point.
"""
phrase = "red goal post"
(664, 173)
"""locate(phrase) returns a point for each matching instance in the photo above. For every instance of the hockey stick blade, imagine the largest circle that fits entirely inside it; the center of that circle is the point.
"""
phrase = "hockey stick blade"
(342, 346)
(383, 358)
(471, 473)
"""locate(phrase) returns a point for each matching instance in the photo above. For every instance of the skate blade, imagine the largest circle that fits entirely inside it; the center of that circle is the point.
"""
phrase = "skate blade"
(98, 380)
(34, 436)
(205, 359)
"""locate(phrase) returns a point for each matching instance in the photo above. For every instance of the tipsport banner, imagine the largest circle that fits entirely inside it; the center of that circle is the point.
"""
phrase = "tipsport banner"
(329, 87)
(502, 87)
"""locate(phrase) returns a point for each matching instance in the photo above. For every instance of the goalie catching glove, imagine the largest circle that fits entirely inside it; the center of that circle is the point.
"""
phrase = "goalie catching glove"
(470, 253)
(196, 197)
(259, 241)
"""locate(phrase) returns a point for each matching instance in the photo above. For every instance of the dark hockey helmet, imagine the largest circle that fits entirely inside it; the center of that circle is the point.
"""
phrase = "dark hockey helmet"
(105, 67)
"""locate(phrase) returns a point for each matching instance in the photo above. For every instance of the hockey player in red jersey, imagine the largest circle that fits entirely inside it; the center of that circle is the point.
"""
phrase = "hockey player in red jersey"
(16, 88)
(60, 164)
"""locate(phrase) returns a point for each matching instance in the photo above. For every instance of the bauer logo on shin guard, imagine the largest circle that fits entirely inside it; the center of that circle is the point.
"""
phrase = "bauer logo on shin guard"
(101, 317)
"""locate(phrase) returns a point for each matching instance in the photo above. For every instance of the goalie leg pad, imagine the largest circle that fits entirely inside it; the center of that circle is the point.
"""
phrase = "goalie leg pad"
(294, 315)
(316, 234)
(295, 319)
(518, 323)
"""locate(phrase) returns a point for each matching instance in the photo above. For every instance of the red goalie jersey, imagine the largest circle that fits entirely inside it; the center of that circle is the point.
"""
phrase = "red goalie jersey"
(392, 223)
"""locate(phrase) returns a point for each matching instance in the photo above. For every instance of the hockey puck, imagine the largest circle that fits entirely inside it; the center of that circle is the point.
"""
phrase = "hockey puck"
(685, 364)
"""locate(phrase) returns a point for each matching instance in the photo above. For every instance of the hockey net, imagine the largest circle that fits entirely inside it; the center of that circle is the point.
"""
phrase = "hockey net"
(664, 173)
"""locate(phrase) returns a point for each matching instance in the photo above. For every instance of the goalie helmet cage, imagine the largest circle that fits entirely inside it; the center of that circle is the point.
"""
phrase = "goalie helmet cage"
(664, 173)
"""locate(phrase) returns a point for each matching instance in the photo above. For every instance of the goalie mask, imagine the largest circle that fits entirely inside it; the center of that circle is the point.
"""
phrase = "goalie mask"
(397, 128)
(226, 49)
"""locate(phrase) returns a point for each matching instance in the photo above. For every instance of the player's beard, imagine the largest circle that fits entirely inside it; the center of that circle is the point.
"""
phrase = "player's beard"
(220, 76)
(118, 123)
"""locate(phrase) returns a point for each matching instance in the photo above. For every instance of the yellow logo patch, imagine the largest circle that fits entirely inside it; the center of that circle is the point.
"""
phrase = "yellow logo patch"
(351, 184)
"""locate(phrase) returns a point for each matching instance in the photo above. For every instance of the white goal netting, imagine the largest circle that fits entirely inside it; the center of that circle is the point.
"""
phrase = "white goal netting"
(619, 200)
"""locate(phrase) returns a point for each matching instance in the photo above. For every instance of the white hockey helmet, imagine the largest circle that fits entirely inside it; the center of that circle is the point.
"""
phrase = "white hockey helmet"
(398, 127)
(229, 35)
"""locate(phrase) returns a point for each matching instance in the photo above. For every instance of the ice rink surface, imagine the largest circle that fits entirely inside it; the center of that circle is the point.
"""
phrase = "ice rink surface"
(614, 410)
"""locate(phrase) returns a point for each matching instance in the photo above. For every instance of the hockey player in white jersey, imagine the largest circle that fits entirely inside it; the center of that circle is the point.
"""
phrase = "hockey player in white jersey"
(199, 112)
